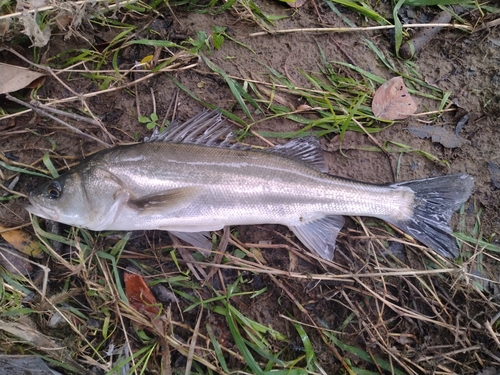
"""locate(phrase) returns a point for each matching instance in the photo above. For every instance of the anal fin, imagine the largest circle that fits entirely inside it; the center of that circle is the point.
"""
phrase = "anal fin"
(319, 235)
(200, 240)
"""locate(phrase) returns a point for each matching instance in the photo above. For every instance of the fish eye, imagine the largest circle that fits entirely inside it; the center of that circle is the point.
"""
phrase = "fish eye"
(54, 190)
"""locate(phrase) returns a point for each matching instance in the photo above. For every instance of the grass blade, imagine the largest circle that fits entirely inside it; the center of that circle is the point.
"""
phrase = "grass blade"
(236, 89)
(21, 170)
(240, 343)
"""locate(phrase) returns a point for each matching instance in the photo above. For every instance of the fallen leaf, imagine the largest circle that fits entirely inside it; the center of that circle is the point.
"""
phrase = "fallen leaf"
(147, 62)
(13, 262)
(304, 107)
(38, 37)
(63, 20)
(495, 41)
(258, 255)
(494, 170)
(392, 101)
(139, 295)
(16, 78)
(4, 27)
(273, 97)
(24, 364)
(30, 4)
(22, 241)
(164, 294)
(142, 300)
(296, 3)
(57, 321)
(438, 135)
(43, 343)
(461, 123)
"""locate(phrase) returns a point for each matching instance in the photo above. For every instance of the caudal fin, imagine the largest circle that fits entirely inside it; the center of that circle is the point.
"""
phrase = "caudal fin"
(436, 199)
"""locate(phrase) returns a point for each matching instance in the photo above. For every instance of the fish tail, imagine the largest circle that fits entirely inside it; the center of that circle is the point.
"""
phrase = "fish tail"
(436, 199)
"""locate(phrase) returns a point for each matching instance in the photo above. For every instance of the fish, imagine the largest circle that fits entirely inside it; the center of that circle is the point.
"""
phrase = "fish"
(195, 177)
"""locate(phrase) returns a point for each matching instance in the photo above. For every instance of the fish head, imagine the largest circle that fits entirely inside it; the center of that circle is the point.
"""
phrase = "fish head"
(81, 197)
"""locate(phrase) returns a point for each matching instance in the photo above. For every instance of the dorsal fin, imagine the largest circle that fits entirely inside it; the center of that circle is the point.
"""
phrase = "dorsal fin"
(306, 149)
(210, 129)
(207, 128)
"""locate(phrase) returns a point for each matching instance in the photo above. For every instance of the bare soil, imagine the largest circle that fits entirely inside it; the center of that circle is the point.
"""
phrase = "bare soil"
(467, 65)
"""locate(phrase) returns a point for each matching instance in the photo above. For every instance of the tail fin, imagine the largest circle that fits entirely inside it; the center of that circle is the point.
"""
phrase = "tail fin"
(436, 199)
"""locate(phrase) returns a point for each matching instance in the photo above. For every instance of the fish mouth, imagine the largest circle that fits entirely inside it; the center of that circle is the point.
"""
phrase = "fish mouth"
(44, 212)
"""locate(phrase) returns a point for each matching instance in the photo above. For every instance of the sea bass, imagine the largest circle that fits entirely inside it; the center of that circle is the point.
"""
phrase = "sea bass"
(194, 178)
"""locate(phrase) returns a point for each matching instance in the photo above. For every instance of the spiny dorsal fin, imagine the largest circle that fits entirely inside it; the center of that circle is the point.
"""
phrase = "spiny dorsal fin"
(207, 128)
(210, 129)
(306, 149)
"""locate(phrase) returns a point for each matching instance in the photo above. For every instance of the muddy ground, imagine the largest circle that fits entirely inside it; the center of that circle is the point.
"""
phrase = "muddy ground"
(467, 65)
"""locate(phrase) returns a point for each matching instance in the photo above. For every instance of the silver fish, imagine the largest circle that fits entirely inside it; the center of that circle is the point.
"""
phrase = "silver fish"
(193, 178)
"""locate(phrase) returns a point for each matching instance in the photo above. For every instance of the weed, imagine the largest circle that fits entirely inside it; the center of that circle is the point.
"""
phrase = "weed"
(151, 121)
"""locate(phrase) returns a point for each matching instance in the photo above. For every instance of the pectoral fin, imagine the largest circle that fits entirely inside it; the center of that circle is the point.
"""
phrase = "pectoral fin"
(168, 201)
(319, 235)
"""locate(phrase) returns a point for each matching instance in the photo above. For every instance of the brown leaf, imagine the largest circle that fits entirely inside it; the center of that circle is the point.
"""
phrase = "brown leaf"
(392, 101)
(141, 299)
(4, 27)
(13, 262)
(16, 78)
(139, 295)
(22, 241)
(63, 20)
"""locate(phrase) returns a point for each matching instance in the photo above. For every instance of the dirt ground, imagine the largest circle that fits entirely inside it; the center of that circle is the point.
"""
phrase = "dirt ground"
(467, 65)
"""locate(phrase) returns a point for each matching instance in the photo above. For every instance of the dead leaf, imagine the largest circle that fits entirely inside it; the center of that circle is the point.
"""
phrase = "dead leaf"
(273, 97)
(13, 262)
(24, 364)
(163, 293)
(438, 135)
(257, 253)
(142, 300)
(303, 107)
(16, 78)
(63, 20)
(296, 3)
(43, 343)
(494, 170)
(30, 4)
(392, 101)
(22, 241)
(495, 41)
(139, 295)
(38, 37)
(4, 27)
